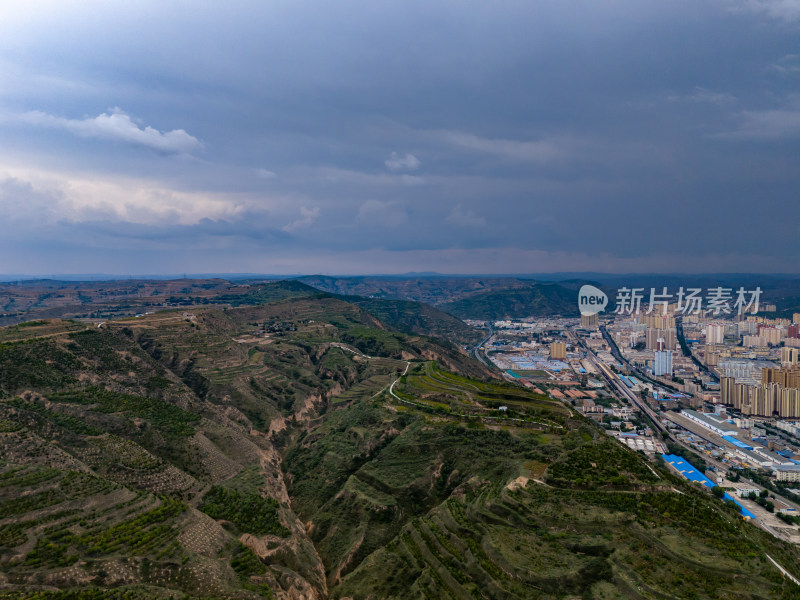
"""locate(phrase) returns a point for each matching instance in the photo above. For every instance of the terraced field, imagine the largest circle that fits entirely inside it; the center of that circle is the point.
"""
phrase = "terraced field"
(428, 386)
(410, 501)
(303, 449)
(144, 455)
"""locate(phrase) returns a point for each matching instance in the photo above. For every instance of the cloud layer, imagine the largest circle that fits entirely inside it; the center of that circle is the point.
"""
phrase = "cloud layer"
(117, 125)
(394, 137)
(395, 162)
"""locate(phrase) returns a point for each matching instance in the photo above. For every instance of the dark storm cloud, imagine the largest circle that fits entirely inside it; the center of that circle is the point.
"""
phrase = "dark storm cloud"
(414, 135)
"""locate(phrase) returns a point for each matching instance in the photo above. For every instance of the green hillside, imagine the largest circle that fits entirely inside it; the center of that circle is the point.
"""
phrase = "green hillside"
(301, 448)
(535, 299)
(416, 317)
(464, 297)
(434, 290)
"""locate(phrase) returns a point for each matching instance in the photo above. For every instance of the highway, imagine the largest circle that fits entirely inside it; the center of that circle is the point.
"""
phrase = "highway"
(626, 392)
(688, 352)
(618, 355)
(476, 350)
(616, 383)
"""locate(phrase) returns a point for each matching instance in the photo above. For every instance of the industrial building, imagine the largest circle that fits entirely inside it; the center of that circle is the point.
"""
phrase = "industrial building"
(689, 472)
(710, 421)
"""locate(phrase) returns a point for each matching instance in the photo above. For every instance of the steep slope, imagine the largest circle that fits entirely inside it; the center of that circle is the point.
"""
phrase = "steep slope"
(414, 498)
(165, 422)
(302, 449)
(416, 317)
(106, 459)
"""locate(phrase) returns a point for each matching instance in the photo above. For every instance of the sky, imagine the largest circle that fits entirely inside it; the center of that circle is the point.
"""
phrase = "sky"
(391, 137)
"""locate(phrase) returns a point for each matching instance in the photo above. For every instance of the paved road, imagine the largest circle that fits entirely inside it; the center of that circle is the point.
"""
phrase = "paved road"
(618, 355)
(623, 390)
(782, 570)
(688, 352)
(476, 350)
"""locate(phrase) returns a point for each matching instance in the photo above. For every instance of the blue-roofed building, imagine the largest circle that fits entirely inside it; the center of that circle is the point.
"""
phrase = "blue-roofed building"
(736, 442)
(692, 474)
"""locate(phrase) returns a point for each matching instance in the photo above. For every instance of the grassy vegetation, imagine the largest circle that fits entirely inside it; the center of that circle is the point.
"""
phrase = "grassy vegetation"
(122, 446)
(414, 317)
(81, 594)
(409, 503)
(138, 535)
(167, 417)
(249, 512)
(36, 364)
(429, 387)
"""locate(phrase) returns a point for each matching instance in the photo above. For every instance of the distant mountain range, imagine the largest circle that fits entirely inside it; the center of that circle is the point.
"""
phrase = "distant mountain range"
(517, 297)
(463, 297)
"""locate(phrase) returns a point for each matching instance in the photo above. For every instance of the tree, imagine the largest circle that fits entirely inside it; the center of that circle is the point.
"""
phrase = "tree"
(718, 491)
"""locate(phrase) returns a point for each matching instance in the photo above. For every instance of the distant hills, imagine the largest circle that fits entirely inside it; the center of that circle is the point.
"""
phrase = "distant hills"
(461, 296)
(464, 297)
(431, 290)
(49, 299)
(535, 299)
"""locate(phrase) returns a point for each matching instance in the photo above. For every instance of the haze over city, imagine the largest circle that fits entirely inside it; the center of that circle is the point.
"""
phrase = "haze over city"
(296, 137)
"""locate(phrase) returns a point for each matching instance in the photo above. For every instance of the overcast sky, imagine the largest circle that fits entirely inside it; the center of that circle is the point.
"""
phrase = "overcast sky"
(387, 137)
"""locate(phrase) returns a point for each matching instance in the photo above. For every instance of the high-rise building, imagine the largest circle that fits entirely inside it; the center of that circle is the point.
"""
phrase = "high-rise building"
(754, 341)
(789, 356)
(726, 389)
(668, 336)
(793, 331)
(715, 333)
(746, 328)
(663, 363)
(772, 335)
(558, 351)
(765, 400)
(786, 376)
(796, 318)
(590, 321)
(657, 321)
